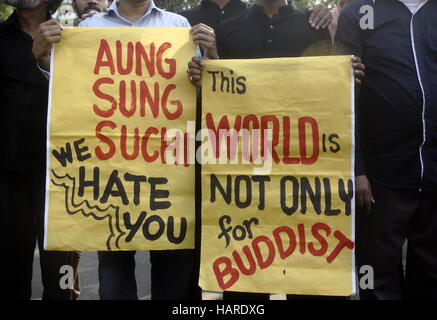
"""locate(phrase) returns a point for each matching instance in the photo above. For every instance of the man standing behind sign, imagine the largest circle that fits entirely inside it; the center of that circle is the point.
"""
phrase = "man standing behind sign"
(270, 29)
(173, 271)
(23, 101)
(397, 104)
(213, 12)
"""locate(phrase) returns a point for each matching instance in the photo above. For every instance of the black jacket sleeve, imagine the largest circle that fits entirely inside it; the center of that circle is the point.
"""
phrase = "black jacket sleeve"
(348, 40)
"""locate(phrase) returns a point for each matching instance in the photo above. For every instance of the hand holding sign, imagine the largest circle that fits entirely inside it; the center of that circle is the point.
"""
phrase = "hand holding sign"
(364, 193)
(49, 33)
(359, 68)
(205, 37)
(195, 71)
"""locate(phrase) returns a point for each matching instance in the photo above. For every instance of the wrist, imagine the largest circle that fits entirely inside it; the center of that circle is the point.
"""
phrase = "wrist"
(213, 54)
(44, 62)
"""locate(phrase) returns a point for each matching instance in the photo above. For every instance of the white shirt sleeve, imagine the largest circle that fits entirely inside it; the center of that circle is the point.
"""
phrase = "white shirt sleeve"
(45, 73)
(185, 23)
(83, 23)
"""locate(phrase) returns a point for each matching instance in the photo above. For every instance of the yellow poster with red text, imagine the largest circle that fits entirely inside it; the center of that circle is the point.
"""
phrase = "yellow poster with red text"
(277, 176)
(120, 160)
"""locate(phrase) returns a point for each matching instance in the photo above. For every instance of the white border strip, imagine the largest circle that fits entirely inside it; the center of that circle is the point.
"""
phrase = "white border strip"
(48, 146)
(354, 274)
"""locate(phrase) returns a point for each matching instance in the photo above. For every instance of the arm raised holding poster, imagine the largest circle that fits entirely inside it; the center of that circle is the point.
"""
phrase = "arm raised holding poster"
(49, 33)
(195, 67)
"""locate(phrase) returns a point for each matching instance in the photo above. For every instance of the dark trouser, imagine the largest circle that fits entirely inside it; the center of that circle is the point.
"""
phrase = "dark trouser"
(398, 215)
(22, 221)
(173, 275)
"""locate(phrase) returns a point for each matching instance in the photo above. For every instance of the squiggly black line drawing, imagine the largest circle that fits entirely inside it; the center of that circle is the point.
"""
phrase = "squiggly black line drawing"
(88, 210)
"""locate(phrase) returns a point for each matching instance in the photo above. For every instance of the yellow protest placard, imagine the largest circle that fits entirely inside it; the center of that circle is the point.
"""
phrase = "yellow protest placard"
(121, 140)
(277, 176)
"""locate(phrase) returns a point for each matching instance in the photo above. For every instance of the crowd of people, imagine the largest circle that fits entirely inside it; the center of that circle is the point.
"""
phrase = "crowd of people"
(395, 64)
